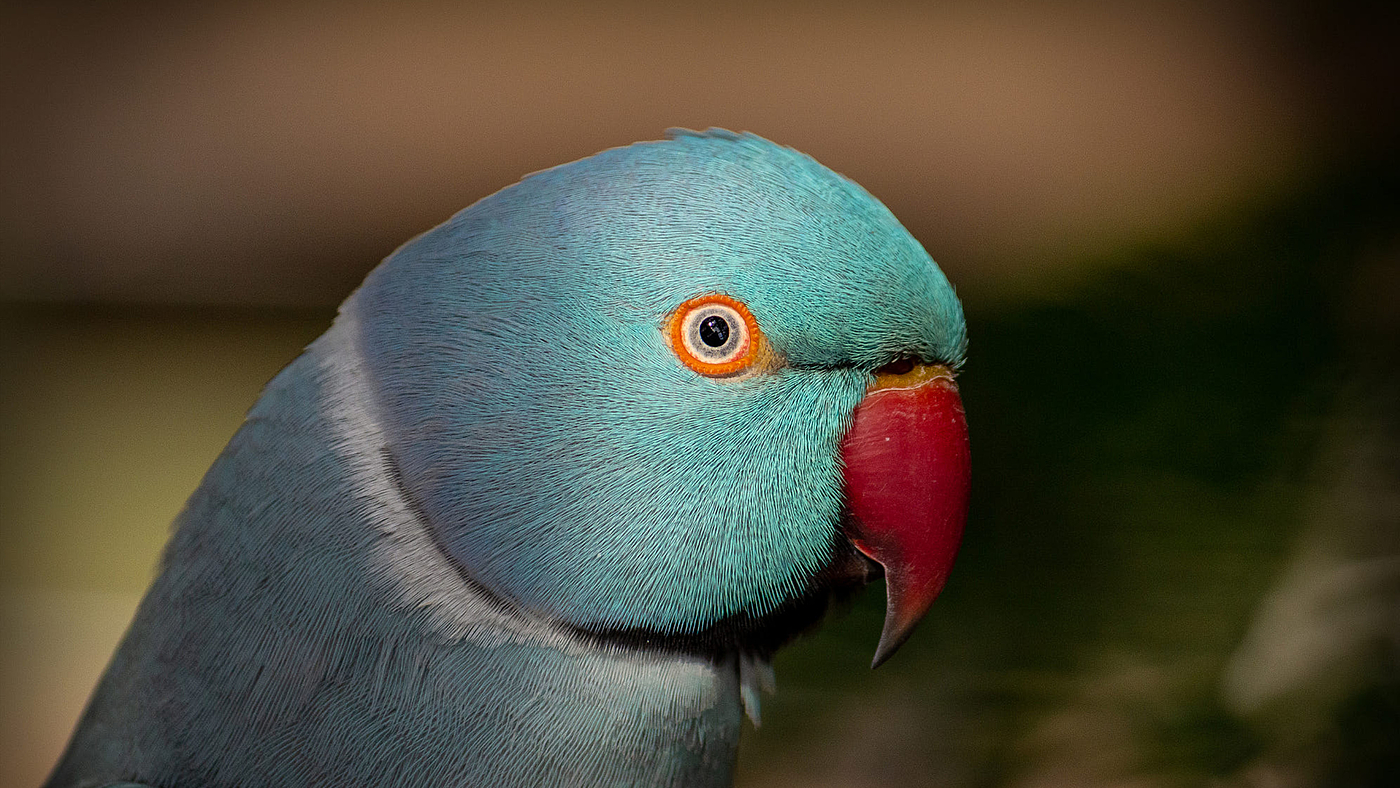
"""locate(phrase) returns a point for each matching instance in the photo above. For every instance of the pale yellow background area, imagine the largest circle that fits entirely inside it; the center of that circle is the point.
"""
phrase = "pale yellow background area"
(107, 426)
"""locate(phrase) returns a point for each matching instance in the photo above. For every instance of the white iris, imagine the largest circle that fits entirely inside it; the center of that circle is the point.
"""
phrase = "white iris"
(733, 345)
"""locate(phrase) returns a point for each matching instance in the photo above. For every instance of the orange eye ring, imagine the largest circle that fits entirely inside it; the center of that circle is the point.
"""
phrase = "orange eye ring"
(715, 335)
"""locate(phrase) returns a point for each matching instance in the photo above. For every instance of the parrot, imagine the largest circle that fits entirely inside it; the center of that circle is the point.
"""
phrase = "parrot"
(563, 475)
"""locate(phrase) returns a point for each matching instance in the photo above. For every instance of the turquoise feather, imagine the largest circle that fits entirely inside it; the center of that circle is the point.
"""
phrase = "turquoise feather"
(489, 530)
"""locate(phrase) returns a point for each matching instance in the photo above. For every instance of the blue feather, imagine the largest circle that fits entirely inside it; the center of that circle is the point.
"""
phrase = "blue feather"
(489, 530)
(568, 429)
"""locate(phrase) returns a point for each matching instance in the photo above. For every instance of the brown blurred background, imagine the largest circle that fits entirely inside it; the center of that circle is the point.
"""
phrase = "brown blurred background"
(1189, 207)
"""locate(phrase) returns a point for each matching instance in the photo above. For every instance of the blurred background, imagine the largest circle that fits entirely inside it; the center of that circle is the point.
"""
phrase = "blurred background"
(1175, 227)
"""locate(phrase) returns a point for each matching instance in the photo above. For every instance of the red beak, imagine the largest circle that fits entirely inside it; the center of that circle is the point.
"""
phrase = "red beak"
(907, 483)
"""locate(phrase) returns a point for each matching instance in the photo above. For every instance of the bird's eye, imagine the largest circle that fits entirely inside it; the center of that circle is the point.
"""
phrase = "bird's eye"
(715, 335)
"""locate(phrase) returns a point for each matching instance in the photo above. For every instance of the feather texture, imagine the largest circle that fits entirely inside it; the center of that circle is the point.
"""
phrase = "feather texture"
(489, 530)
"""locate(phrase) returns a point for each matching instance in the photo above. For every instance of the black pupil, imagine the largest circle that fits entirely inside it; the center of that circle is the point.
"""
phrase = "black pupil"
(714, 330)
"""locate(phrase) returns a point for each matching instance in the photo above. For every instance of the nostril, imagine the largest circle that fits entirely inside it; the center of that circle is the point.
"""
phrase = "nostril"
(900, 366)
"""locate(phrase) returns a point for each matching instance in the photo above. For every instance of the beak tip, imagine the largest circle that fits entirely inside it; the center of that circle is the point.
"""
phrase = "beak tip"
(881, 654)
(906, 605)
(897, 630)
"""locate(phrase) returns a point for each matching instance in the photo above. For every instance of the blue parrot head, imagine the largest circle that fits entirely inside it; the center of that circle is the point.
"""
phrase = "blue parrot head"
(618, 390)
